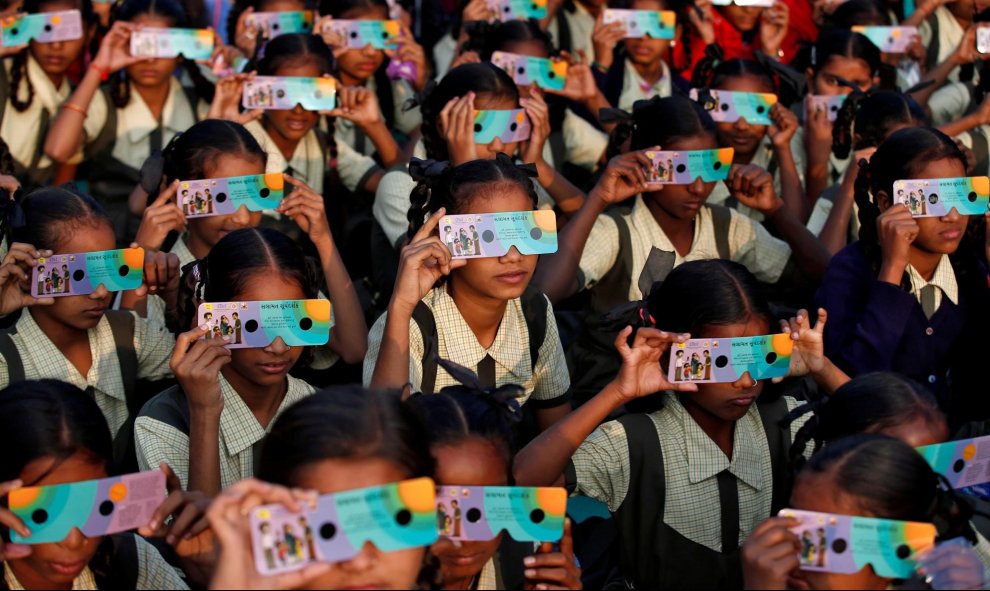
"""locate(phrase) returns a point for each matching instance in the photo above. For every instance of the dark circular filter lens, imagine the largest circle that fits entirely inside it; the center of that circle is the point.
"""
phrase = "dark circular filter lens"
(681, 168)
(280, 93)
(721, 361)
(522, 71)
(124, 270)
(78, 275)
(251, 325)
(14, 31)
(306, 323)
(221, 197)
(971, 197)
(839, 546)
(536, 233)
(403, 517)
(537, 515)
(265, 192)
(106, 508)
(717, 165)
(725, 107)
(275, 26)
(903, 551)
(761, 110)
(477, 128)
(353, 35)
(474, 515)
(513, 126)
(488, 236)
(48, 28)
(39, 516)
(771, 358)
(328, 531)
(958, 466)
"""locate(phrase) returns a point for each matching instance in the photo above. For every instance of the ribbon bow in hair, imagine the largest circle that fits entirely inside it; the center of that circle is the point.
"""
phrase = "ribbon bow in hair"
(610, 115)
(427, 169)
(784, 73)
(11, 210)
(714, 52)
(505, 397)
(529, 169)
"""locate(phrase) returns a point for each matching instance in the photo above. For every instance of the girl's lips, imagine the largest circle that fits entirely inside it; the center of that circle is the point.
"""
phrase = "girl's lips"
(512, 278)
(94, 312)
(68, 568)
(743, 401)
(950, 234)
(274, 368)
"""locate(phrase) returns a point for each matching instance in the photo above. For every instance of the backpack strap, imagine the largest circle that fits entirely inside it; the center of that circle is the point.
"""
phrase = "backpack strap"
(613, 288)
(4, 92)
(721, 222)
(108, 135)
(534, 308)
(558, 149)
(423, 316)
(115, 564)
(122, 327)
(779, 440)
(15, 365)
(931, 55)
(642, 510)
(193, 97)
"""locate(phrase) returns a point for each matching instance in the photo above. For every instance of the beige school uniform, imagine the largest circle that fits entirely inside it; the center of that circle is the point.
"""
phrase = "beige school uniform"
(749, 244)
(584, 144)
(159, 442)
(153, 345)
(634, 88)
(547, 387)
(950, 33)
(581, 24)
(20, 129)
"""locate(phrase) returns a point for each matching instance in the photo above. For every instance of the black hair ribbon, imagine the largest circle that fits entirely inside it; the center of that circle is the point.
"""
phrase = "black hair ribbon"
(505, 397)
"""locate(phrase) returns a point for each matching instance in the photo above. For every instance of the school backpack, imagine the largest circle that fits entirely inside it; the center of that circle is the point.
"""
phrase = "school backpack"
(654, 555)
(30, 175)
(592, 358)
(122, 327)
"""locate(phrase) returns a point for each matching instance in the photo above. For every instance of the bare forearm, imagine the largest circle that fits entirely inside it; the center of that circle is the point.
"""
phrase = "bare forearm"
(816, 178)
(791, 190)
(962, 125)
(937, 76)
(556, 275)
(385, 144)
(543, 461)
(204, 452)
(835, 232)
(567, 197)
(66, 133)
(811, 256)
(831, 378)
(392, 365)
(350, 333)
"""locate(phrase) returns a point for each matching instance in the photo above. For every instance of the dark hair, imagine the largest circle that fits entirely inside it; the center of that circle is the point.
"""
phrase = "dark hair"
(224, 272)
(857, 12)
(46, 208)
(484, 78)
(890, 480)
(871, 116)
(237, 9)
(711, 72)
(43, 418)
(901, 156)
(453, 185)
(457, 413)
(869, 403)
(18, 67)
(844, 43)
(660, 121)
(487, 38)
(175, 13)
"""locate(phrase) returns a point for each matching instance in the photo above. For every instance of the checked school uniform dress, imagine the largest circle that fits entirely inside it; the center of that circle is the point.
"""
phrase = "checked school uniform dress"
(162, 431)
(41, 359)
(634, 88)
(546, 386)
(618, 467)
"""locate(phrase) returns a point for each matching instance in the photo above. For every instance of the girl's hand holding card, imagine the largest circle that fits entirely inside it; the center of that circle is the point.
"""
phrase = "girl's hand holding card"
(808, 353)
(160, 218)
(539, 117)
(624, 177)
(785, 125)
(114, 53)
(770, 555)
(773, 28)
(161, 277)
(305, 207)
(196, 364)
(641, 373)
(15, 275)
(9, 551)
(897, 229)
(457, 129)
(753, 187)
(952, 564)
(227, 100)
(358, 105)
(422, 262)
(549, 569)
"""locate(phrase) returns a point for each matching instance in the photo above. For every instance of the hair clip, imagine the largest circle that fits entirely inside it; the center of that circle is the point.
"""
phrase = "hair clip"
(505, 397)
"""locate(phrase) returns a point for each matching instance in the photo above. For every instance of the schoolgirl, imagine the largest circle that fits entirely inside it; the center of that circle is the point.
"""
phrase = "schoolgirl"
(54, 433)
(336, 440)
(250, 38)
(77, 339)
(32, 87)
(471, 438)
(118, 125)
(904, 297)
(618, 255)
(702, 449)
(573, 25)
(767, 146)
(226, 400)
(482, 314)
(448, 115)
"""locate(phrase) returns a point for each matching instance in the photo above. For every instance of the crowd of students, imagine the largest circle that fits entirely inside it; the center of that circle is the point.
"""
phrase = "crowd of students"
(515, 370)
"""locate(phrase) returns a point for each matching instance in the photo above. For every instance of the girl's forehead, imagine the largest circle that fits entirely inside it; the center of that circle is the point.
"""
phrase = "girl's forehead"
(494, 102)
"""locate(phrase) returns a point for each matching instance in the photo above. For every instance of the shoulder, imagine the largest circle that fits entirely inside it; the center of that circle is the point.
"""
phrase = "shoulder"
(170, 407)
(153, 571)
(851, 259)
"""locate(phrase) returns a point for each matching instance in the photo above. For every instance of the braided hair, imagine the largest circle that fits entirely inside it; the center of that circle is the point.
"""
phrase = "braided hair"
(175, 14)
(659, 121)
(451, 187)
(871, 116)
(482, 79)
(18, 67)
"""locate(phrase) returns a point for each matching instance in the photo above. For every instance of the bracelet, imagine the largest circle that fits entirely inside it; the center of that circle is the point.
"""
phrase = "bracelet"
(104, 73)
(599, 67)
(76, 108)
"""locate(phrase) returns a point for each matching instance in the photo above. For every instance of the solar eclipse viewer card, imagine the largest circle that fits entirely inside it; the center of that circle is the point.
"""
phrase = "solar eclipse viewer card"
(683, 167)
(889, 39)
(273, 24)
(224, 196)
(479, 513)
(728, 106)
(654, 24)
(480, 235)
(845, 544)
(963, 463)
(393, 517)
(300, 323)
(193, 44)
(510, 10)
(937, 197)
(525, 70)
(829, 104)
(95, 507)
(358, 34)
(508, 125)
(719, 361)
(82, 273)
(285, 92)
(43, 27)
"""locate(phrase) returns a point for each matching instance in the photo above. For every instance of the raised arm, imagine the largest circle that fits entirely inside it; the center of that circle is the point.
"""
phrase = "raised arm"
(781, 132)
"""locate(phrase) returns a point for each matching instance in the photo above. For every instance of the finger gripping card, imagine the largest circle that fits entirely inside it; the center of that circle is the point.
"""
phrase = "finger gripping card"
(846, 544)
(357, 34)
(224, 196)
(526, 70)
(510, 10)
(719, 361)
(828, 104)
(653, 24)
(888, 39)
(683, 167)
(510, 126)
(95, 507)
(728, 106)
(937, 197)
(963, 463)
(43, 27)
(983, 37)
(479, 513)
(285, 92)
(273, 24)
(393, 517)
(247, 325)
(480, 235)
(82, 273)
(193, 44)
